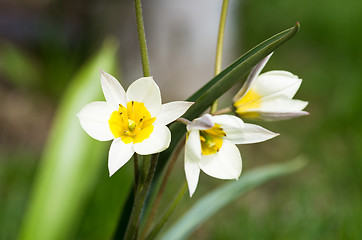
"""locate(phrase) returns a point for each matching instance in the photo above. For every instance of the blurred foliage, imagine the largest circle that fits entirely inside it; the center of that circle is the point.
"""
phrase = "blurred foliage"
(15, 63)
(71, 162)
(214, 201)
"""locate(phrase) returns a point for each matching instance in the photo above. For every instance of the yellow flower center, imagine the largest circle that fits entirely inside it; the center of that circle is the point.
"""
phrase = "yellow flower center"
(250, 100)
(211, 140)
(132, 123)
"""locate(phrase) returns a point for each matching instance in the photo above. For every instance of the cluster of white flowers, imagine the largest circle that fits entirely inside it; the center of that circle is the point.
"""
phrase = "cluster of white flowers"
(136, 121)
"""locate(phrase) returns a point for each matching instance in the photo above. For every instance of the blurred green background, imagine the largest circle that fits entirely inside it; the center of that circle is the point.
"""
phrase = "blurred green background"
(44, 43)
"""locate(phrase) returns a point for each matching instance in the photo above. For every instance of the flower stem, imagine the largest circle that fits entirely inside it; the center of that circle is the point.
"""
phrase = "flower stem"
(140, 191)
(136, 175)
(145, 167)
(140, 198)
(168, 212)
(162, 188)
(142, 39)
(220, 43)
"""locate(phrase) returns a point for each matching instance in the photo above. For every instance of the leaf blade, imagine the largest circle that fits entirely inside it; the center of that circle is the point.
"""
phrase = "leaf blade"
(216, 200)
(70, 163)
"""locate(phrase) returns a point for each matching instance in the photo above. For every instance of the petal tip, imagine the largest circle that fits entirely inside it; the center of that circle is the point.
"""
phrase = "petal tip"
(191, 193)
(111, 172)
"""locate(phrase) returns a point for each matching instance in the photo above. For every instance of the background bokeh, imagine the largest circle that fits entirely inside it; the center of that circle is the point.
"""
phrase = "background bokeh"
(43, 43)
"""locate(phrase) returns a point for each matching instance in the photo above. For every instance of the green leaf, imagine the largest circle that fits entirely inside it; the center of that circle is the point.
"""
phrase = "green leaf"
(219, 198)
(221, 83)
(18, 66)
(70, 165)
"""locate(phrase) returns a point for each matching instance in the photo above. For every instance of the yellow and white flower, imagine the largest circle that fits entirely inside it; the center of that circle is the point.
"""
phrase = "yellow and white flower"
(269, 95)
(210, 146)
(135, 119)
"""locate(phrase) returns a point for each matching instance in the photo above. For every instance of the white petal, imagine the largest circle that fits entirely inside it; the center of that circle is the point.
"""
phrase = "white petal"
(225, 164)
(145, 90)
(277, 108)
(112, 90)
(171, 111)
(229, 122)
(277, 83)
(282, 104)
(251, 133)
(94, 120)
(274, 116)
(192, 158)
(202, 123)
(193, 146)
(251, 78)
(119, 154)
(158, 141)
(192, 172)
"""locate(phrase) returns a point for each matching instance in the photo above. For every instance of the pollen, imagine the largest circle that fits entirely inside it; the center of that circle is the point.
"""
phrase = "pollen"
(250, 100)
(132, 123)
(211, 140)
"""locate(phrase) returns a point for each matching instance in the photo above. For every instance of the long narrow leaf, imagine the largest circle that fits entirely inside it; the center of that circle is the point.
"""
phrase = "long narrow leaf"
(70, 164)
(219, 198)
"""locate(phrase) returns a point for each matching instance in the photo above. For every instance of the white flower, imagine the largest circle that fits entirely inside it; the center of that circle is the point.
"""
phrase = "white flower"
(269, 95)
(135, 119)
(210, 146)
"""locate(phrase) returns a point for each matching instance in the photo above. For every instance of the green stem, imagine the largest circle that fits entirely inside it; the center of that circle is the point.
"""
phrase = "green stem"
(157, 202)
(145, 167)
(220, 43)
(142, 39)
(136, 175)
(140, 198)
(168, 212)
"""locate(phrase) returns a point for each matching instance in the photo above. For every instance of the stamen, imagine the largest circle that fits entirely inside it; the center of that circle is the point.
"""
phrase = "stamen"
(211, 140)
(132, 123)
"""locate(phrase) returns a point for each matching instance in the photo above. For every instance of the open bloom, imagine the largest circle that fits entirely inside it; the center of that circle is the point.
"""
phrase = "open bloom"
(135, 119)
(269, 95)
(210, 146)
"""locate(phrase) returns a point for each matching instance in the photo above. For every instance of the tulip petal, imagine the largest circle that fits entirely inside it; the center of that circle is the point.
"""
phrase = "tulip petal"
(251, 78)
(192, 172)
(277, 83)
(229, 122)
(202, 123)
(274, 116)
(112, 90)
(119, 154)
(276, 108)
(193, 146)
(171, 111)
(145, 90)
(251, 133)
(225, 164)
(192, 157)
(158, 141)
(282, 104)
(94, 120)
